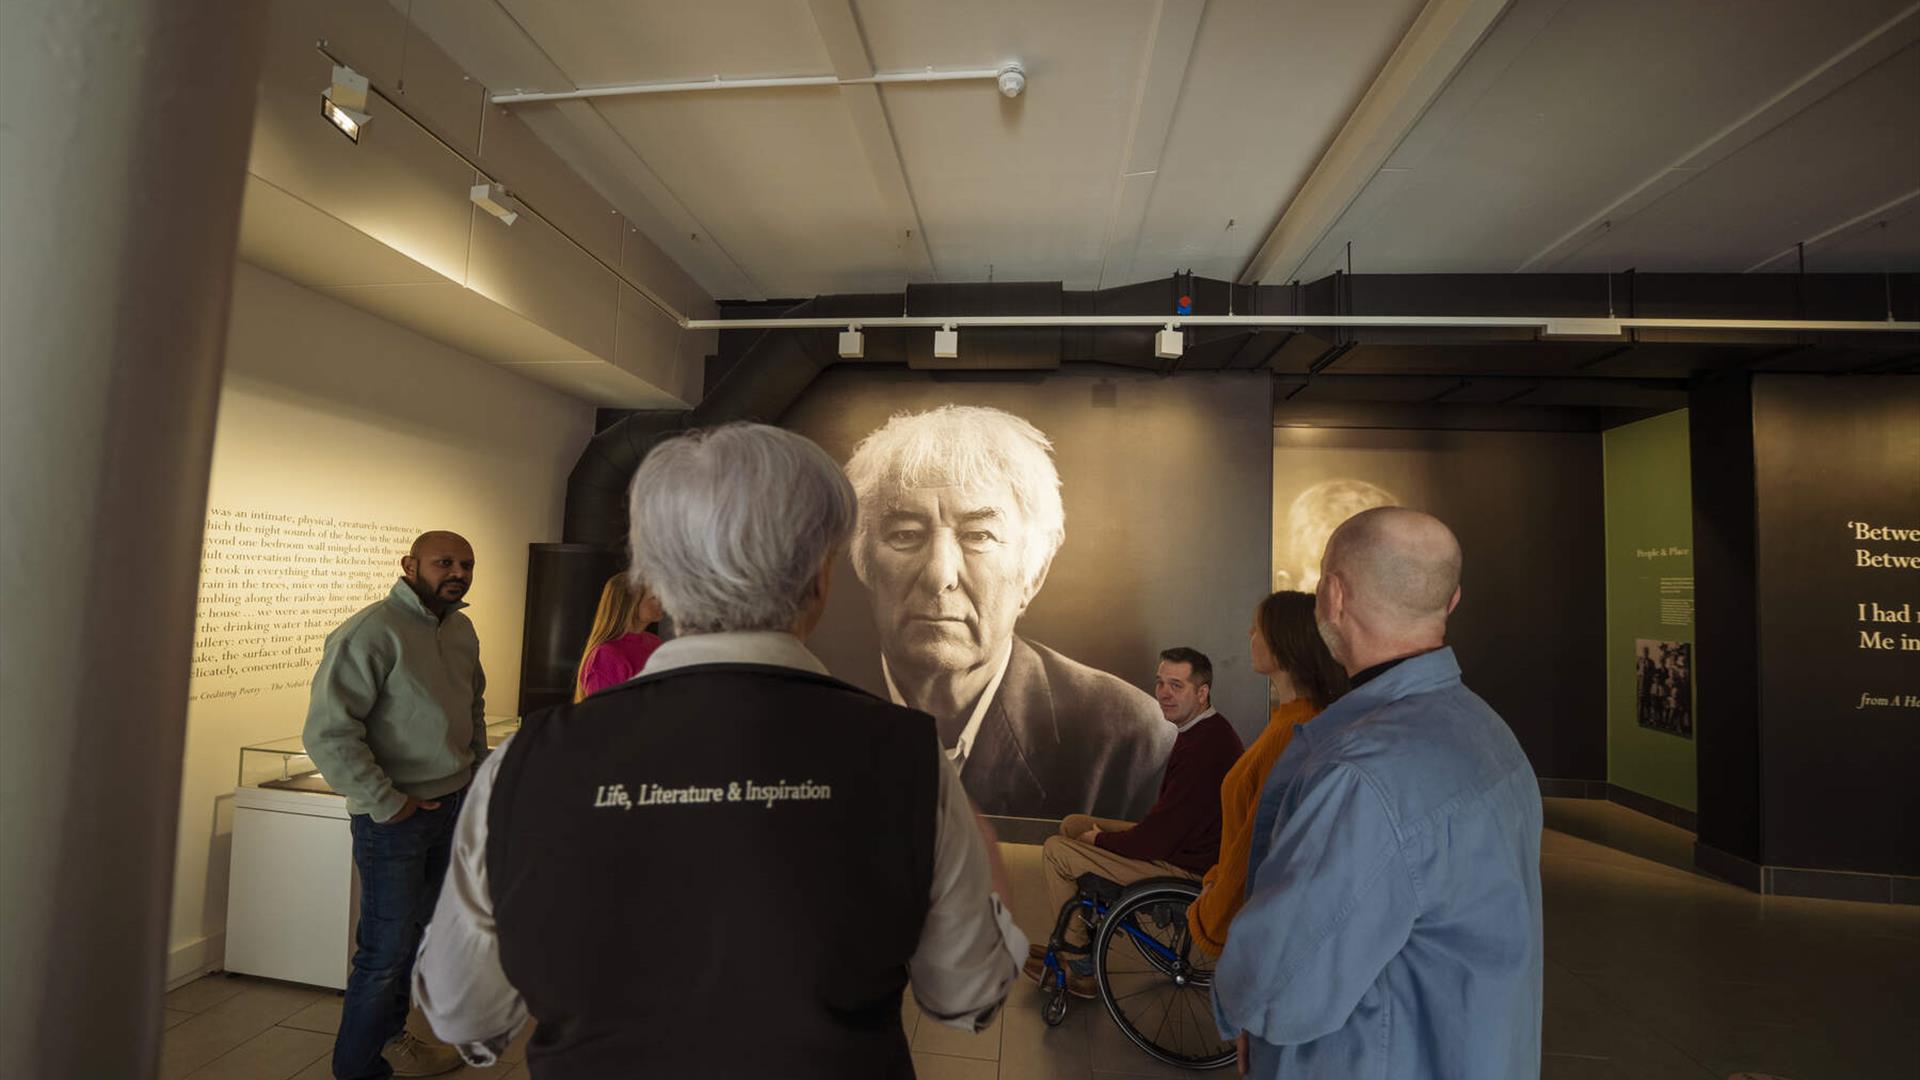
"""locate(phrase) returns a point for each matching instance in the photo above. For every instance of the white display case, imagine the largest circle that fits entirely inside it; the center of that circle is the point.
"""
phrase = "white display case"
(291, 890)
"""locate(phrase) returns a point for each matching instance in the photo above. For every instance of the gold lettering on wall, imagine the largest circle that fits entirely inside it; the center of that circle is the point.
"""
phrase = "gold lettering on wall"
(272, 586)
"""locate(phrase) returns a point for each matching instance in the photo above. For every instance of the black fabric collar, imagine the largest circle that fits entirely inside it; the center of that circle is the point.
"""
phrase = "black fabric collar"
(1364, 677)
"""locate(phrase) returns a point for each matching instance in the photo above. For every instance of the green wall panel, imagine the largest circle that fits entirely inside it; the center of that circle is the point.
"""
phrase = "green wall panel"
(1650, 623)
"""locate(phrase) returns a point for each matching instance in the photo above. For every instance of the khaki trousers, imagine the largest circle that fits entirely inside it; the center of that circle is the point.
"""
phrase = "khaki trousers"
(1066, 857)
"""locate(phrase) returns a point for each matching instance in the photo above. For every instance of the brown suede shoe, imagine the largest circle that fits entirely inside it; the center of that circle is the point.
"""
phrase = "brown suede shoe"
(410, 1055)
(1080, 986)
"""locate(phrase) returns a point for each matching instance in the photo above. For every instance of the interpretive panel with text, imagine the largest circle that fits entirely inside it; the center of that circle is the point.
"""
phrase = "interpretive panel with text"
(1837, 474)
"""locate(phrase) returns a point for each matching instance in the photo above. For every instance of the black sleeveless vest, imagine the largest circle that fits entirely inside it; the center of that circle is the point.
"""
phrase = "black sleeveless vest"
(719, 870)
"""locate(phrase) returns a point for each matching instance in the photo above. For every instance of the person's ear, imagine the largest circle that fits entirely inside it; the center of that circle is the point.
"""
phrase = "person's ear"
(409, 566)
(816, 605)
(1206, 695)
(1333, 593)
(1454, 602)
(823, 582)
(1033, 586)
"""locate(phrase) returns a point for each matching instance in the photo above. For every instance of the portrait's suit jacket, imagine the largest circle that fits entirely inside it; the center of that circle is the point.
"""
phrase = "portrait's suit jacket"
(1062, 738)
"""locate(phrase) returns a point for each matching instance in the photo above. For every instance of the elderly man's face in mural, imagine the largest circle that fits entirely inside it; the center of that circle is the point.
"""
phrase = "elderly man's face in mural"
(947, 572)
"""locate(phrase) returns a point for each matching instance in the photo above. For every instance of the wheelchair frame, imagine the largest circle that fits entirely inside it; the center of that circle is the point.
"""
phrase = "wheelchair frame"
(1107, 908)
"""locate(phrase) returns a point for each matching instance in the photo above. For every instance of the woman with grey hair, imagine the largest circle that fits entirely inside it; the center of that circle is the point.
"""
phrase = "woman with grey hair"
(641, 869)
(737, 529)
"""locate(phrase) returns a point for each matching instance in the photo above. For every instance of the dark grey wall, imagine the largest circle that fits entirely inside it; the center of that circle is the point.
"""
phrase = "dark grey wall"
(1165, 483)
(1838, 773)
(1720, 434)
(1528, 508)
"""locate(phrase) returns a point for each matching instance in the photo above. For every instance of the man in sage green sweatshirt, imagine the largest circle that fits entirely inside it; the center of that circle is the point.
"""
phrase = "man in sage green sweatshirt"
(396, 725)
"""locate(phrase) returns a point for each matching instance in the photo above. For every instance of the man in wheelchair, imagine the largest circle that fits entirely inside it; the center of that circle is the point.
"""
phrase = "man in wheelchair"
(1179, 837)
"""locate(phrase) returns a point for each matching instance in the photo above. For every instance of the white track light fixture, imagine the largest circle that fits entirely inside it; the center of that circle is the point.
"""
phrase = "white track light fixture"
(344, 103)
(493, 198)
(1168, 344)
(853, 343)
(946, 343)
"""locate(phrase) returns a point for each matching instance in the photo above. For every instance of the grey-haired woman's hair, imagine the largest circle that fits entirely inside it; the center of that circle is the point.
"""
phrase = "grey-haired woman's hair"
(731, 525)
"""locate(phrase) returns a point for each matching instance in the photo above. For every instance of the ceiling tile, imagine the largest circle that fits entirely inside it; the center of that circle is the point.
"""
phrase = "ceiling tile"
(1607, 94)
(1027, 185)
(1857, 149)
(777, 176)
(1268, 88)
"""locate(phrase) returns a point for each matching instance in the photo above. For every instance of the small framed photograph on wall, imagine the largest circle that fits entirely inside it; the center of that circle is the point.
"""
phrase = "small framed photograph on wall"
(1663, 686)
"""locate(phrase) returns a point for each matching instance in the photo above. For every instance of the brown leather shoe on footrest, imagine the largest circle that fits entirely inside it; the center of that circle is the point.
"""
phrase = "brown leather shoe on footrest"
(1080, 986)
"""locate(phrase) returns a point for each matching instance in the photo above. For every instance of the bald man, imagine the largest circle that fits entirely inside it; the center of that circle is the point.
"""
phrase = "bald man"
(1392, 922)
(395, 723)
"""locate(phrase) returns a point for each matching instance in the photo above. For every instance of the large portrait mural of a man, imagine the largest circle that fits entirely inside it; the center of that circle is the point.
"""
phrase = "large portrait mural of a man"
(1024, 549)
(960, 519)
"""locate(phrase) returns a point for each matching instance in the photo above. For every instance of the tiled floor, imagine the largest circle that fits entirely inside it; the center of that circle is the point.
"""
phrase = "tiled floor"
(1653, 973)
(221, 1028)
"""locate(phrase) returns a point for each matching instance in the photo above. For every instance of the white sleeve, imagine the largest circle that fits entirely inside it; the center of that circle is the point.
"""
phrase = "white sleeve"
(458, 981)
(970, 951)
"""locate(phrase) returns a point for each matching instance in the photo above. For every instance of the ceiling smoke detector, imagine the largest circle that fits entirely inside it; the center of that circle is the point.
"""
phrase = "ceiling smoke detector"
(1013, 79)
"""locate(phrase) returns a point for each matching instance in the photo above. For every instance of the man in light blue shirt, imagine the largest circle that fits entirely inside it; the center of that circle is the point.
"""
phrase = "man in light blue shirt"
(1392, 922)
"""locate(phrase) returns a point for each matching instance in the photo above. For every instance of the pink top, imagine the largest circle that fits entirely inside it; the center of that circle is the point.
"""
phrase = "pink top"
(614, 662)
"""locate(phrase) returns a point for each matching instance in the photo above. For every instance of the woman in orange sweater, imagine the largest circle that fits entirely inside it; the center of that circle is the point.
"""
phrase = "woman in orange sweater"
(1287, 649)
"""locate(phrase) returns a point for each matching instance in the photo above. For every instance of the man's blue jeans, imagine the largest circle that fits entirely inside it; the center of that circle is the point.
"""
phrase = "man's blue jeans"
(401, 867)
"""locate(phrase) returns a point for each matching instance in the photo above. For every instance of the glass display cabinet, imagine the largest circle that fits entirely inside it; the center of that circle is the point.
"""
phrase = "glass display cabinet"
(290, 892)
(283, 764)
(280, 765)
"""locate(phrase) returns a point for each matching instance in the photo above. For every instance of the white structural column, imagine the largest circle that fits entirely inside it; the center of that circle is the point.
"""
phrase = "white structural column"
(123, 141)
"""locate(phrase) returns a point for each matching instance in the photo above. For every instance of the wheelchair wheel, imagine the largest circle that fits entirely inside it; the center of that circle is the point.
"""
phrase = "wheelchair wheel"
(1056, 1009)
(1155, 982)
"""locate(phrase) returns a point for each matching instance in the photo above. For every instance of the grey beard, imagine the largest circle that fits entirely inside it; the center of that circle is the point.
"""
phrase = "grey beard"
(1336, 644)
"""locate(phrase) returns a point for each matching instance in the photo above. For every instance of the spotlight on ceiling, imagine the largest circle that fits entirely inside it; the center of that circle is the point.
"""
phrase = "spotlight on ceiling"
(946, 343)
(493, 198)
(1168, 344)
(853, 343)
(344, 103)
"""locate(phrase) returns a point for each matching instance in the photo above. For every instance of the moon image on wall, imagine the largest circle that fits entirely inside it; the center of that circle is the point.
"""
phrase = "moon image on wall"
(1315, 513)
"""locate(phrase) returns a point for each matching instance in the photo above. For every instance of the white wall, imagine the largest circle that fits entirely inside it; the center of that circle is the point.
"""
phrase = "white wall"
(326, 410)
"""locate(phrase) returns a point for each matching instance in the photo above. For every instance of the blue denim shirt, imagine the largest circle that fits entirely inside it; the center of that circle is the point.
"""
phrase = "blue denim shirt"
(1392, 923)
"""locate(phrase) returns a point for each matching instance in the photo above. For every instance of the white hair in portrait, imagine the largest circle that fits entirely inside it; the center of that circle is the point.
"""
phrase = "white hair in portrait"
(730, 526)
(966, 446)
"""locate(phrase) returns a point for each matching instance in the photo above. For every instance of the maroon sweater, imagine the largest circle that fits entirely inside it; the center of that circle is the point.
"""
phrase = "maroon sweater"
(1183, 827)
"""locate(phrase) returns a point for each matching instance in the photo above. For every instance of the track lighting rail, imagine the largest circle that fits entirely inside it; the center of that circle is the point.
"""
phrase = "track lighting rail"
(1546, 326)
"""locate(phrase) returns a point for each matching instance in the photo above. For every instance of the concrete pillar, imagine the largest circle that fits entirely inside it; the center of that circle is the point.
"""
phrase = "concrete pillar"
(123, 142)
